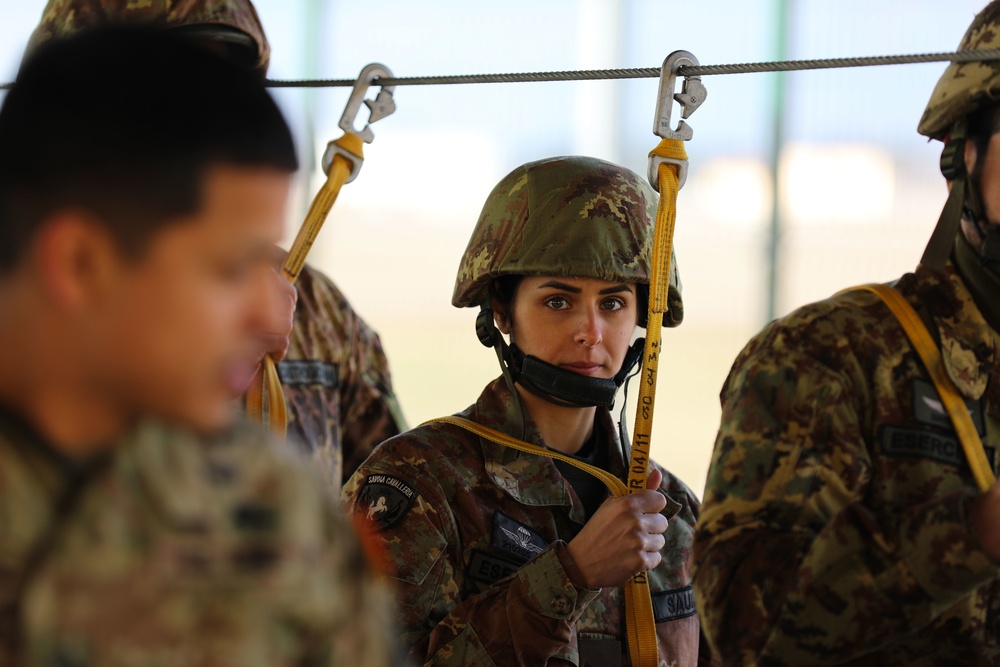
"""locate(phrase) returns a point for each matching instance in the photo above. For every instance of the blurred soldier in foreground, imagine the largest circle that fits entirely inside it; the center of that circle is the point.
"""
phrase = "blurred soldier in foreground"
(842, 524)
(142, 182)
(335, 375)
(505, 557)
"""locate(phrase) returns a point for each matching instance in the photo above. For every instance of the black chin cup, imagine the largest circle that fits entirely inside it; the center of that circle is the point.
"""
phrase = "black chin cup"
(554, 384)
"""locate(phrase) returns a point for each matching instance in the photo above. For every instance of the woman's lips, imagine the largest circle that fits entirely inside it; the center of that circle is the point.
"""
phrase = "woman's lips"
(584, 368)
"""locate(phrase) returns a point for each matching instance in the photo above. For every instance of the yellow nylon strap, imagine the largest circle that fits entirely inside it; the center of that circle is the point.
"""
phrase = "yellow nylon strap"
(269, 383)
(643, 650)
(640, 624)
(950, 398)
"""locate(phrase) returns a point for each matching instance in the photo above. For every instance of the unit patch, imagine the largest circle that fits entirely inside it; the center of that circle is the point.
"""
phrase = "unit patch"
(928, 409)
(516, 539)
(309, 372)
(385, 500)
(488, 569)
(599, 652)
(926, 444)
(673, 605)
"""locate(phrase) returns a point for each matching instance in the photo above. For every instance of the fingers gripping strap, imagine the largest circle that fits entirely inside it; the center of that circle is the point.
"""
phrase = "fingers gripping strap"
(640, 625)
(950, 398)
(268, 382)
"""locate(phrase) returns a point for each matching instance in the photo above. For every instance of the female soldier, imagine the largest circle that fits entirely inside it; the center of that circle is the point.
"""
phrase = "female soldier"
(505, 557)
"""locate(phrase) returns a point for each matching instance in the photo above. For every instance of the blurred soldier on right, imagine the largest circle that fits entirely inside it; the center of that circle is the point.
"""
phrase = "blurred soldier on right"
(842, 524)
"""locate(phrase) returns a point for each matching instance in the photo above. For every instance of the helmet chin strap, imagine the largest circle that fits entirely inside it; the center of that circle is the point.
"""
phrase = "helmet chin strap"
(556, 385)
(960, 197)
(964, 201)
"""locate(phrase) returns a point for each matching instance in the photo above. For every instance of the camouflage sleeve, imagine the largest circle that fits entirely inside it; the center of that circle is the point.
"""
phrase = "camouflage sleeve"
(368, 404)
(791, 565)
(328, 328)
(523, 619)
(364, 636)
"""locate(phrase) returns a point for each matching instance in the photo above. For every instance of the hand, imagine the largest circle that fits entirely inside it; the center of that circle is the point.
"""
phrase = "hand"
(624, 537)
(276, 328)
(985, 514)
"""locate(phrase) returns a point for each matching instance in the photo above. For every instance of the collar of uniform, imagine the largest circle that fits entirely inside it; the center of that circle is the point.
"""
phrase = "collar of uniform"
(171, 468)
(53, 469)
(525, 477)
(965, 340)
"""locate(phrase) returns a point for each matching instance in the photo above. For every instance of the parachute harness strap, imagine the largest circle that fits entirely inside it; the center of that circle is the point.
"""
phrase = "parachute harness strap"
(342, 162)
(953, 402)
(667, 173)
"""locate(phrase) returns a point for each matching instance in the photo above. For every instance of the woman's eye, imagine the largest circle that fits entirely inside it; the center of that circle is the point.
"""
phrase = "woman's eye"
(613, 304)
(556, 303)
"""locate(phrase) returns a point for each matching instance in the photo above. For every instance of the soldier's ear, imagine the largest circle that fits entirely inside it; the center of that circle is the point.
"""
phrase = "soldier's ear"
(501, 315)
(76, 259)
(970, 156)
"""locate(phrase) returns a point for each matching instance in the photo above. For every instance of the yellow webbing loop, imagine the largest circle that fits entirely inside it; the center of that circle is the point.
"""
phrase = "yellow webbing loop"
(268, 382)
(640, 625)
(950, 398)
(638, 604)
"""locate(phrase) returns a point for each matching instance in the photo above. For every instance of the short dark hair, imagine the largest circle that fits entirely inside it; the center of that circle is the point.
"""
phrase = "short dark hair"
(124, 122)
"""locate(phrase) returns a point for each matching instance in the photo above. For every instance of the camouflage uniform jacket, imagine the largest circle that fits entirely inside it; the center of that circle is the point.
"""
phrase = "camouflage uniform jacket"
(834, 529)
(477, 534)
(176, 552)
(336, 382)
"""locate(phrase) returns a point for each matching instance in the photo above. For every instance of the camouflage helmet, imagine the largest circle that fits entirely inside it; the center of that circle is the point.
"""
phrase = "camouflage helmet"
(567, 216)
(966, 87)
(226, 21)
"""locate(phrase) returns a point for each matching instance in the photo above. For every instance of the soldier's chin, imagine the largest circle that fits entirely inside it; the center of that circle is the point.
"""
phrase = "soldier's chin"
(212, 417)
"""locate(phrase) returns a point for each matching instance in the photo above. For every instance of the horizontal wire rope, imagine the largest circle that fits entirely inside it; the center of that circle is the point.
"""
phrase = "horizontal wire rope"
(647, 72)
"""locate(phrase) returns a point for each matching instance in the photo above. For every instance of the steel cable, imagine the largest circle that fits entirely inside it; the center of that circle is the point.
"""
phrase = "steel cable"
(646, 72)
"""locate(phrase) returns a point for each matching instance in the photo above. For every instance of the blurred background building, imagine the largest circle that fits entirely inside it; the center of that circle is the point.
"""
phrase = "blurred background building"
(799, 184)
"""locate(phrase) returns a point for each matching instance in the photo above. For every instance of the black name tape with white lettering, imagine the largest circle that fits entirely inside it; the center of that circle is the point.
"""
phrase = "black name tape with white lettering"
(673, 605)
(309, 373)
(928, 409)
(925, 443)
(516, 539)
(489, 569)
(384, 500)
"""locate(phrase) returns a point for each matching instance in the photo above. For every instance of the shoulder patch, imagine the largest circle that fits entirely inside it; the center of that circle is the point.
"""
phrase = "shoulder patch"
(674, 604)
(925, 443)
(927, 408)
(306, 372)
(516, 539)
(385, 500)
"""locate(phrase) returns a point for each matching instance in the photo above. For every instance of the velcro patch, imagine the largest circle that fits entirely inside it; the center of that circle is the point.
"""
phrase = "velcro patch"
(673, 605)
(309, 372)
(385, 500)
(516, 539)
(488, 569)
(925, 443)
(928, 409)
(599, 652)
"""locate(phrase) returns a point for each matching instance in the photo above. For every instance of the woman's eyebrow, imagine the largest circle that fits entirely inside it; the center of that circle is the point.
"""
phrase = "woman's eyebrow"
(555, 284)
